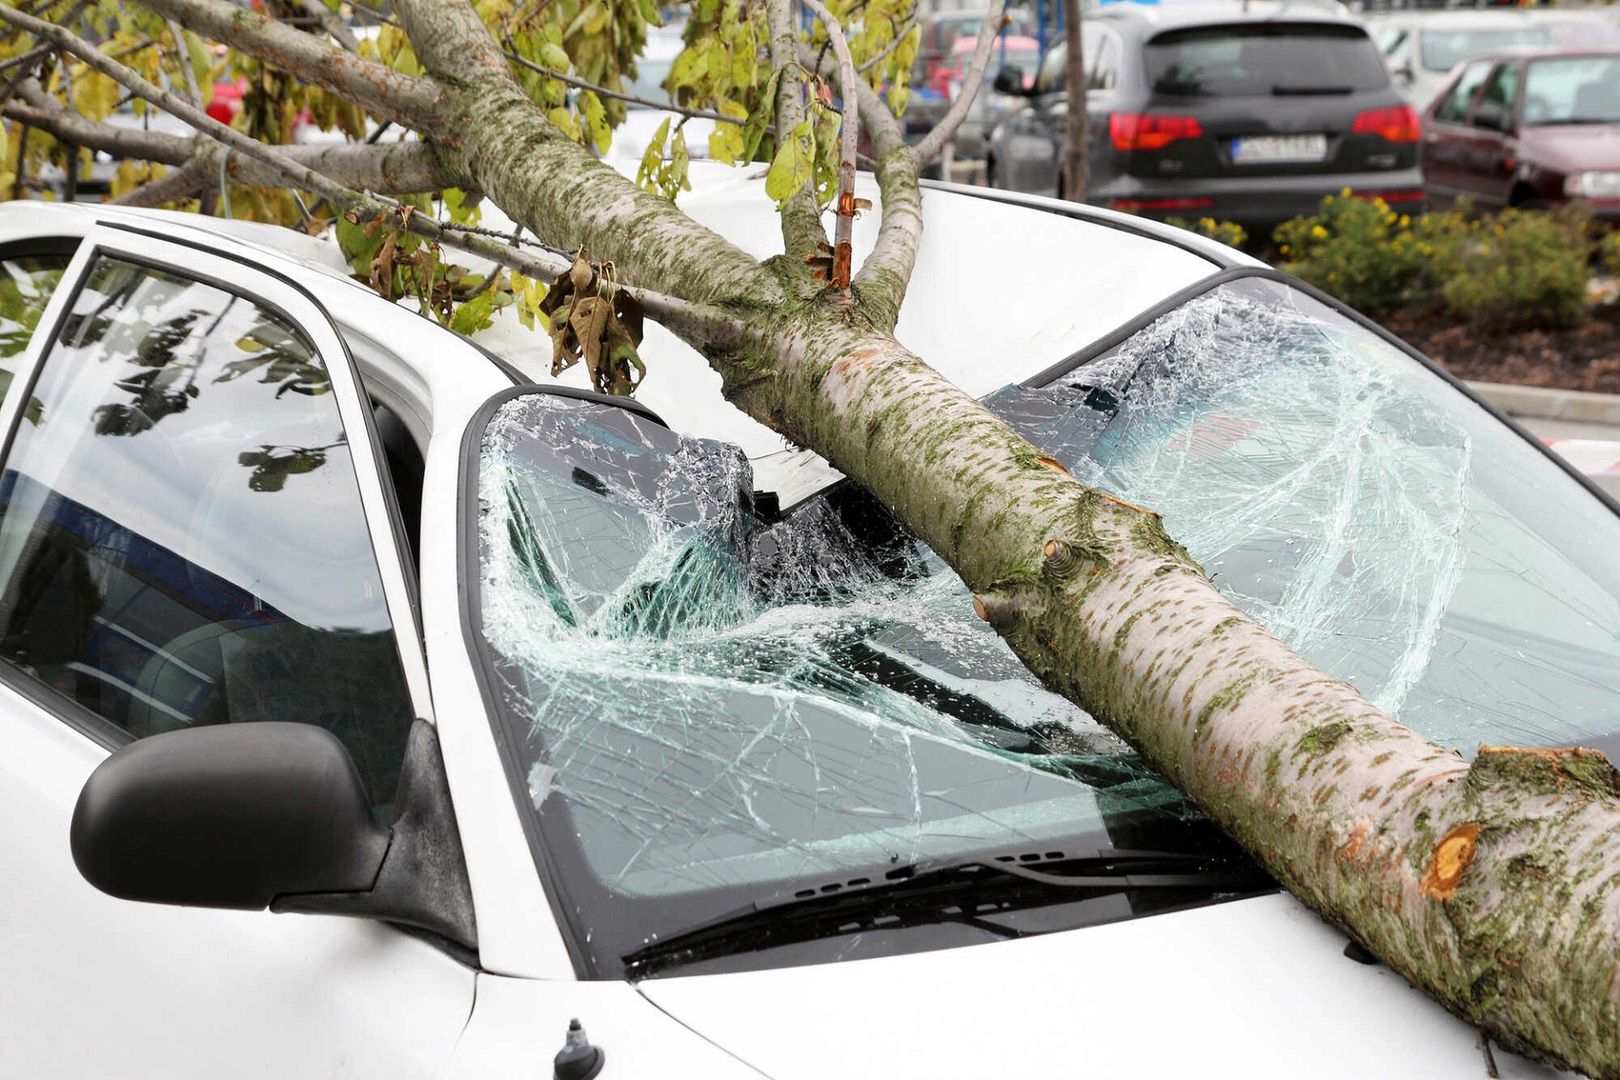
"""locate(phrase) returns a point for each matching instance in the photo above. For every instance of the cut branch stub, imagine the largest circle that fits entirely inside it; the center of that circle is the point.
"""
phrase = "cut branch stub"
(594, 320)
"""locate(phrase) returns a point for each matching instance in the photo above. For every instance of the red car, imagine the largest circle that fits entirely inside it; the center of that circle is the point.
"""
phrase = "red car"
(1527, 127)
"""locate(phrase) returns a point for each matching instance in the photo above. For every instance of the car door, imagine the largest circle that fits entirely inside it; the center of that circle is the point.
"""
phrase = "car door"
(193, 530)
(1446, 135)
(1488, 145)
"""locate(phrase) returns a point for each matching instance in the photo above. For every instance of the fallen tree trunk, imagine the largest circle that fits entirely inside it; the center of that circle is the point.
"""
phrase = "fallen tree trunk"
(1490, 885)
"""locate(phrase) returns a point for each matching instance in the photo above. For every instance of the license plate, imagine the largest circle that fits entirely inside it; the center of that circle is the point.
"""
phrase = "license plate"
(1255, 149)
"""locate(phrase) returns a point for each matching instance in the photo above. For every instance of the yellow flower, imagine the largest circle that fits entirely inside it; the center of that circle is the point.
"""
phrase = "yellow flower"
(1321, 234)
(1406, 219)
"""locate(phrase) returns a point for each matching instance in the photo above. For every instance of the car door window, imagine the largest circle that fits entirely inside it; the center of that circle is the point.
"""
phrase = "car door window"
(182, 540)
(1104, 69)
(1454, 109)
(1495, 109)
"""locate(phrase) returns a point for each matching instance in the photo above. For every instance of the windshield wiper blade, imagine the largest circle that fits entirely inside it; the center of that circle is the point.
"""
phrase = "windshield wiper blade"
(1284, 90)
(931, 890)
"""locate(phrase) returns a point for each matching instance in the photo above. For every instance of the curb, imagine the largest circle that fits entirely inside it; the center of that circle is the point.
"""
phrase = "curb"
(1597, 459)
(1581, 406)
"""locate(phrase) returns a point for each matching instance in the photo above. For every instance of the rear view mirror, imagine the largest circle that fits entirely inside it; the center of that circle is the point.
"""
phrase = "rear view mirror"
(1009, 80)
(228, 816)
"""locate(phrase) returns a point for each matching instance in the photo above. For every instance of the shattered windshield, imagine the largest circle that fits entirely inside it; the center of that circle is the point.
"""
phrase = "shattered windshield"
(712, 709)
(1386, 527)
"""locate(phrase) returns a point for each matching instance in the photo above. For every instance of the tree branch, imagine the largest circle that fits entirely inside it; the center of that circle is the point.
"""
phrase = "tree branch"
(802, 234)
(193, 91)
(555, 187)
(849, 132)
(932, 143)
(619, 95)
(883, 54)
(378, 89)
(331, 24)
(396, 168)
(884, 276)
(174, 186)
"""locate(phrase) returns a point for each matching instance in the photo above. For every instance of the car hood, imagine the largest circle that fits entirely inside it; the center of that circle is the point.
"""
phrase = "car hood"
(1258, 988)
(1574, 147)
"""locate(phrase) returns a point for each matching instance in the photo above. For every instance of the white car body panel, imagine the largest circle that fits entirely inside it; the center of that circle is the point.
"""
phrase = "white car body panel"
(1254, 988)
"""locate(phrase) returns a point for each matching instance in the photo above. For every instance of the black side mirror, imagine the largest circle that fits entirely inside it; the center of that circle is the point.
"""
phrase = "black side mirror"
(1010, 80)
(273, 815)
(231, 816)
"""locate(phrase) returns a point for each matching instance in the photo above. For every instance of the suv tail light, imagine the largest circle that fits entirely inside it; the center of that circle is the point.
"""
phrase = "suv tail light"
(1151, 131)
(1398, 123)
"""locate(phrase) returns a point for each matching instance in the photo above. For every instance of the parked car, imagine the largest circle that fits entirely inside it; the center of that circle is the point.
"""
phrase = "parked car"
(967, 148)
(1422, 48)
(1246, 112)
(942, 30)
(1528, 127)
(515, 705)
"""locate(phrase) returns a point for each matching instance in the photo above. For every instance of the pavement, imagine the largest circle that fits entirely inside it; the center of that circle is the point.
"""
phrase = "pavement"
(1581, 427)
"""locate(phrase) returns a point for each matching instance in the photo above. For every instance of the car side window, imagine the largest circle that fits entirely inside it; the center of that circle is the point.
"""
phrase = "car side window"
(1103, 69)
(182, 540)
(1454, 108)
(1495, 108)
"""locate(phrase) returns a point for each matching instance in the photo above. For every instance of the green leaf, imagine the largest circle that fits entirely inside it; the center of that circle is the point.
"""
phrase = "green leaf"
(754, 130)
(554, 57)
(359, 247)
(596, 121)
(792, 167)
(476, 314)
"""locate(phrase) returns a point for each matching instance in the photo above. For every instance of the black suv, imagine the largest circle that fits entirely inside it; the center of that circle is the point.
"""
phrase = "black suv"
(1245, 113)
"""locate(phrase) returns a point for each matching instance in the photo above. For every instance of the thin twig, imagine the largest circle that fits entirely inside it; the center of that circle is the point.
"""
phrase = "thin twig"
(849, 132)
(193, 91)
(602, 91)
(932, 143)
(884, 53)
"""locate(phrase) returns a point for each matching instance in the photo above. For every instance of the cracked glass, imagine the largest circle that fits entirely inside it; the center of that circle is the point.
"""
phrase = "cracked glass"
(712, 710)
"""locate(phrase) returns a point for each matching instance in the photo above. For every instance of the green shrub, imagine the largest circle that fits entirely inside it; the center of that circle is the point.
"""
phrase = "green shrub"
(1609, 252)
(1371, 257)
(1229, 233)
(1523, 269)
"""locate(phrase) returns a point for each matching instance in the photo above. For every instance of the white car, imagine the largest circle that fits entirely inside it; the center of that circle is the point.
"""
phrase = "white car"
(515, 707)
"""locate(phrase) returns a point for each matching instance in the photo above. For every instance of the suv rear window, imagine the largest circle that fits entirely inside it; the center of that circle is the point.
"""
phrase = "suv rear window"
(1264, 59)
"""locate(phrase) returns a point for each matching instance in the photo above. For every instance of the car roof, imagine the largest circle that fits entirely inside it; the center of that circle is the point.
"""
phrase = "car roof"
(985, 318)
(1148, 19)
(1465, 20)
(1520, 52)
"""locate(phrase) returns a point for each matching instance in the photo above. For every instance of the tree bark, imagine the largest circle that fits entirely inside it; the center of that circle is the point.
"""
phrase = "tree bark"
(1078, 120)
(1492, 886)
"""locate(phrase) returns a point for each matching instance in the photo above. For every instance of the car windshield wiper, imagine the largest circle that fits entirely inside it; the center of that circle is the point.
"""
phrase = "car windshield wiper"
(1284, 90)
(934, 891)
